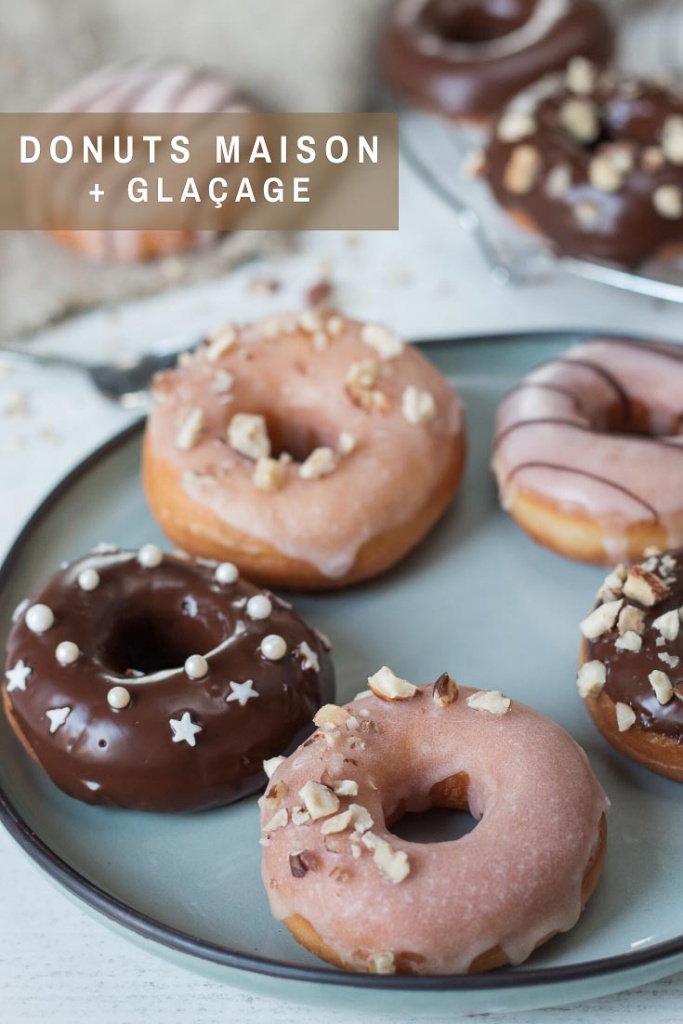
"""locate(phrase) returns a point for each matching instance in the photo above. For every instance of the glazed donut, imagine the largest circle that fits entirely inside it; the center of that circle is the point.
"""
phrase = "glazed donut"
(588, 451)
(124, 89)
(356, 895)
(311, 451)
(593, 164)
(466, 58)
(631, 673)
(143, 680)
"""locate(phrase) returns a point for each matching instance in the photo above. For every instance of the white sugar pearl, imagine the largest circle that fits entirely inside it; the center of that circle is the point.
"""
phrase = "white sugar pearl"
(273, 647)
(259, 607)
(150, 556)
(226, 572)
(89, 579)
(196, 666)
(67, 652)
(118, 698)
(39, 618)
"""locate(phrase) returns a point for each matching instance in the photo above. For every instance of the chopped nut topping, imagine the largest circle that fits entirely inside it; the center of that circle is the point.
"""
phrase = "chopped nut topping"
(347, 443)
(220, 341)
(492, 701)
(626, 716)
(668, 625)
(661, 684)
(587, 214)
(269, 474)
(310, 322)
(672, 139)
(382, 340)
(672, 660)
(321, 462)
(418, 406)
(631, 620)
(190, 431)
(320, 801)
(581, 76)
(363, 374)
(515, 125)
(382, 963)
(652, 159)
(221, 382)
(340, 874)
(279, 820)
(604, 175)
(336, 824)
(521, 169)
(445, 690)
(345, 787)
(645, 587)
(300, 816)
(620, 155)
(559, 181)
(271, 765)
(387, 686)
(393, 864)
(330, 715)
(668, 201)
(273, 796)
(334, 326)
(591, 679)
(248, 435)
(301, 863)
(601, 619)
(579, 117)
(629, 641)
(612, 584)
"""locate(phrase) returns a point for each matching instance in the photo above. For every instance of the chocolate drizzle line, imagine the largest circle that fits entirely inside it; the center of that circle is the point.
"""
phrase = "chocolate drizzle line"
(149, 620)
(581, 472)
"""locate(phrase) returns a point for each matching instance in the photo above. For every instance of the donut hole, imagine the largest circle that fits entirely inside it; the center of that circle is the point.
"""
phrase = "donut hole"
(142, 643)
(447, 818)
(476, 21)
(293, 436)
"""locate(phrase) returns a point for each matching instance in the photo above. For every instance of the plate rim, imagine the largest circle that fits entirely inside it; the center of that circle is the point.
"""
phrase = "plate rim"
(149, 928)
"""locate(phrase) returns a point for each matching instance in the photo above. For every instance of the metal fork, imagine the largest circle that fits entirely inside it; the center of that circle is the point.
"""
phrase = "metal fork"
(125, 380)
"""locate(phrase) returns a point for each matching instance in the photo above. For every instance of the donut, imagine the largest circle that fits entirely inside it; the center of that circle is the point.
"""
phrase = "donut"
(124, 89)
(312, 451)
(143, 680)
(630, 671)
(588, 452)
(361, 898)
(465, 59)
(593, 163)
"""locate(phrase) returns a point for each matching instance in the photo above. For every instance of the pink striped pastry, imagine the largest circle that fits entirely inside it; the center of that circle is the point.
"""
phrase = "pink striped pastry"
(365, 900)
(133, 88)
(588, 452)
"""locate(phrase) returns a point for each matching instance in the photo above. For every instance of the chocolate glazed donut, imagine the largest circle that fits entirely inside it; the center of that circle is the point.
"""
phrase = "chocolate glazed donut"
(466, 58)
(150, 682)
(593, 164)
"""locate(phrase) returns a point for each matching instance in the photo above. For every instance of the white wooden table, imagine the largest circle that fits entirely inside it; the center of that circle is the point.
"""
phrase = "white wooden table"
(56, 963)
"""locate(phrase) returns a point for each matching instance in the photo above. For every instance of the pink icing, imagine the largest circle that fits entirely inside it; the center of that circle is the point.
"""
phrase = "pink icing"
(280, 373)
(579, 464)
(512, 881)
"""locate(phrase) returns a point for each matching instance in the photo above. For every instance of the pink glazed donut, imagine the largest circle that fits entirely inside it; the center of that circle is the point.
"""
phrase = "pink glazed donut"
(588, 452)
(362, 899)
(312, 451)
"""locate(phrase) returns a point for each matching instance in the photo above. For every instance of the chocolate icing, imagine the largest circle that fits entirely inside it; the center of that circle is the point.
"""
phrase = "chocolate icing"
(448, 55)
(628, 671)
(151, 620)
(625, 226)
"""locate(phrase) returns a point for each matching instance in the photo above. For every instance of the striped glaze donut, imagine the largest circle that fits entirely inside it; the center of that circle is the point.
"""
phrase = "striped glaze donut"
(588, 450)
(466, 58)
(131, 88)
(147, 681)
(361, 898)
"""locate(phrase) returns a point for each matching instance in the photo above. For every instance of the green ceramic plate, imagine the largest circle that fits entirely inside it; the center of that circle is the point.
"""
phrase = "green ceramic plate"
(477, 599)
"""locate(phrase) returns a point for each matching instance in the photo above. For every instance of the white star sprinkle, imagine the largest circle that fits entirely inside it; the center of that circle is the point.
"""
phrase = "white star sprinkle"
(242, 692)
(185, 729)
(309, 659)
(17, 676)
(58, 717)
